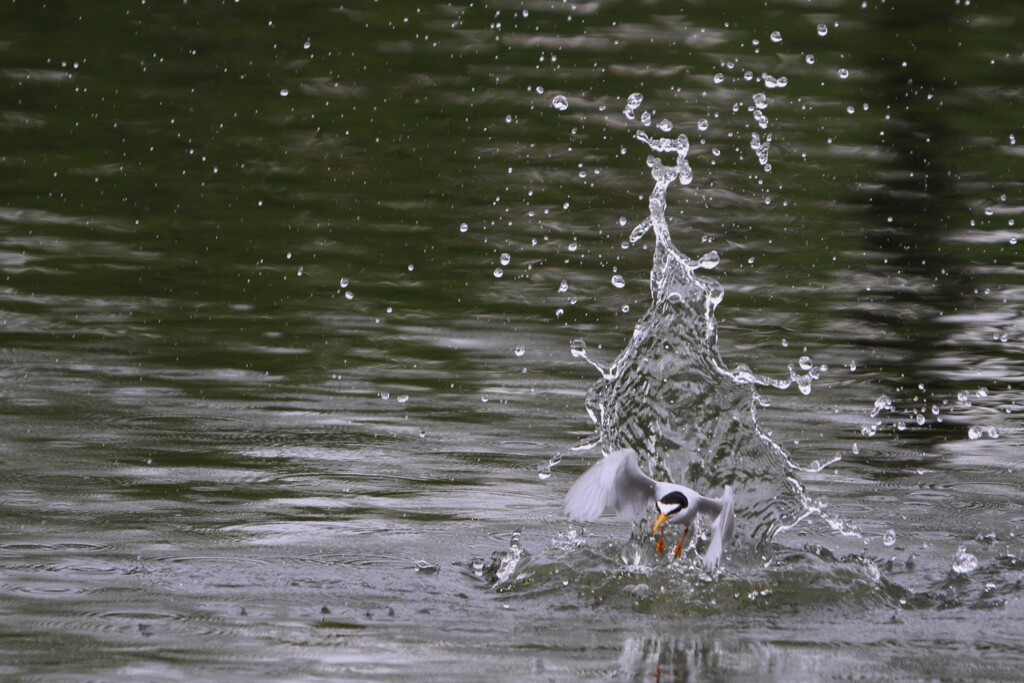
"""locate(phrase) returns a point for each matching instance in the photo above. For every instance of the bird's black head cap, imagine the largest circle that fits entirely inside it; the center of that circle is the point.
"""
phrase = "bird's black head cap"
(675, 498)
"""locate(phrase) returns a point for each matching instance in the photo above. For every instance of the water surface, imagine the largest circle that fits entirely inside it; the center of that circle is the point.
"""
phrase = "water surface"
(269, 410)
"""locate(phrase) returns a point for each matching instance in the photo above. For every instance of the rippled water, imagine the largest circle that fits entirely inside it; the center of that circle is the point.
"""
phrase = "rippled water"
(298, 301)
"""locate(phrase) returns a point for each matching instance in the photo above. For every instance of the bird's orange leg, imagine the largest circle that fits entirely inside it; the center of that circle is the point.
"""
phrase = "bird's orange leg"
(661, 542)
(679, 548)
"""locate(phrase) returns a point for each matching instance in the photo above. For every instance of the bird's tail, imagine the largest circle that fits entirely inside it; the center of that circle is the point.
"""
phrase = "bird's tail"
(722, 529)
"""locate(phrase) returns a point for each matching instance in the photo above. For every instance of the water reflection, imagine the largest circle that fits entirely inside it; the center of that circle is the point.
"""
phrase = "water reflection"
(719, 657)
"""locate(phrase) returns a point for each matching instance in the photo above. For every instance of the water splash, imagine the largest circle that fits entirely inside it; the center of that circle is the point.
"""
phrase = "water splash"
(670, 396)
(504, 568)
(964, 562)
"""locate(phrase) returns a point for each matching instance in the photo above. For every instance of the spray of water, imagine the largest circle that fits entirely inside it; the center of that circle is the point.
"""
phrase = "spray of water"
(670, 396)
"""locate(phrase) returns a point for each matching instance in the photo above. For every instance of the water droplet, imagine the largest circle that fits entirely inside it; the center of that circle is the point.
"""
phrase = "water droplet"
(974, 433)
(639, 231)
(306, 45)
(776, 37)
(300, 271)
(573, 246)
(822, 30)
(719, 79)
(349, 295)
(404, 398)
(578, 348)
(560, 103)
(484, 399)
(853, 366)
(708, 261)
(385, 395)
(992, 432)
(625, 308)
(563, 287)
(702, 125)
(806, 363)
(761, 100)
(844, 73)
(284, 92)
(519, 351)
(809, 59)
(773, 82)
(634, 100)
(883, 402)
(498, 272)
(964, 562)
(645, 118)
(664, 125)
(982, 393)
(505, 259)
(889, 539)
(919, 419)
(463, 228)
(618, 281)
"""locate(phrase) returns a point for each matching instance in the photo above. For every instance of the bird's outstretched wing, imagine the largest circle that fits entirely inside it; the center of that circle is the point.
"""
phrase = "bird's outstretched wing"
(613, 481)
(722, 529)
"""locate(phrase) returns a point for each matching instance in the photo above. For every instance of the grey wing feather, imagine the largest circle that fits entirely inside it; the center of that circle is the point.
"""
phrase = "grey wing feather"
(614, 481)
(722, 529)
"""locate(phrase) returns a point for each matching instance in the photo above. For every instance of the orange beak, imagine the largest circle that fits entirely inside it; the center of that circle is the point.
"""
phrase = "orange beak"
(662, 521)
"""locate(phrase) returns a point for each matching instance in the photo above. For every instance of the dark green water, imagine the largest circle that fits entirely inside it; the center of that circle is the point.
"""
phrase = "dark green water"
(267, 413)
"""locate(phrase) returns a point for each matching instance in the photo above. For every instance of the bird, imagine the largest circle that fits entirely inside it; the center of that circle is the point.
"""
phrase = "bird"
(616, 481)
